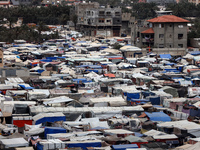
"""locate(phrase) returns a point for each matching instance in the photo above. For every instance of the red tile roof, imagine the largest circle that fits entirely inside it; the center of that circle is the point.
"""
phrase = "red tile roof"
(150, 30)
(168, 18)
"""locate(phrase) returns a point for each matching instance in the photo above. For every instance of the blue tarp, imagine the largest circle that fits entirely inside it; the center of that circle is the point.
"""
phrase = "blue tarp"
(52, 58)
(155, 100)
(25, 88)
(91, 70)
(40, 71)
(147, 93)
(139, 100)
(195, 53)
(83, 80)
(158, 116)
(165, 56)
(124, 147)
(132, 96)
(95, 66)
(53, 130)
(46, 60)
(170, 64)
(84, 145)
(50, 119)
(171, 70)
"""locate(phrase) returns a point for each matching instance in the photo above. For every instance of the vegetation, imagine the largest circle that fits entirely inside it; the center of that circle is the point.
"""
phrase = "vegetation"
(49, 15)
(25, 33)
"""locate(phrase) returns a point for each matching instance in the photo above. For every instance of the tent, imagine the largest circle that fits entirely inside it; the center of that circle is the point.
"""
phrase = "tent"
(53, 130)
(124, 147)
(158, 116)
(15, 142)
(165, 56)
(136, 140)
(84, 144)
(49, 117)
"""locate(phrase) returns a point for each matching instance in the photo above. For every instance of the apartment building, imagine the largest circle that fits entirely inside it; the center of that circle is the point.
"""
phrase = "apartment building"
(94, 20)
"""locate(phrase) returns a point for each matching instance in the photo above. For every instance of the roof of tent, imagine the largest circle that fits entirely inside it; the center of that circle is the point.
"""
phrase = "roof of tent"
(165, 56)
(183, 124)
(15, 142)
(49, 117)
(124, 147)
(158, 116)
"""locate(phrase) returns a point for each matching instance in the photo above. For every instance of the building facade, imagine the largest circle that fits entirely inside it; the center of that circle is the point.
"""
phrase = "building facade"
(94, 20)
(163, 32)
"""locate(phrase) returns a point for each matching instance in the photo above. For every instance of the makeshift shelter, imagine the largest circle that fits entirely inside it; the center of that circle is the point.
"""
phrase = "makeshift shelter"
(124, 147)
(15, 142)
(136, 140)
(53, 130)
(83, 144)
(158, 116)
(171, 91)
(48, 117)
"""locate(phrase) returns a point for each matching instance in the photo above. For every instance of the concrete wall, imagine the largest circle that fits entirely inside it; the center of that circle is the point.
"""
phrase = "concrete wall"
(170, 33)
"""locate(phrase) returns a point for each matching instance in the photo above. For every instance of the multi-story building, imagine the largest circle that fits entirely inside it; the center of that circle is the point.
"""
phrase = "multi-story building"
(163, 32)
(94, 20)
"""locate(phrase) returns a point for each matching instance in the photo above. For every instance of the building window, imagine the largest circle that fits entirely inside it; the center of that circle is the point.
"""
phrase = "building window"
(0, 60)
(180, 26)
(161, 35)
(101, 20)
(117, 13)
(108, 13)
(108, 20)
(101, 12)
(180, 45)
(180, 36)
(161, 25)
(161, 45)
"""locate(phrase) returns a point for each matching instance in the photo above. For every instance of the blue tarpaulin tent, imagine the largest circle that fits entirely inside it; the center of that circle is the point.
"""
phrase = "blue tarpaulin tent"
(83, 80)
(25, 88)
(165, 56)
(155, 100)
(124, 147)
(53, 130)
(158, 116)
(132, 96)
(49, 117)
(84, 144)
(52, 58)
(195, 53)
(91, 70)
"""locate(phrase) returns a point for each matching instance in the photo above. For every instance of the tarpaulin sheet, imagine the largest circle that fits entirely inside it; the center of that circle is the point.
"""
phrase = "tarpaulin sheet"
(26, 88)
(124, 147)
(84, 145)
(91, 70)
(53, 130)
(81, 80)
(158, 116)
(50, 119)
(165, 56)
(154, 100)
(132, 96)
(194, 53)
(21, 123)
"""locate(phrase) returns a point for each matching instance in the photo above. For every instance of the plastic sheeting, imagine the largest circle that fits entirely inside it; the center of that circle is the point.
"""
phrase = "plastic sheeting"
(53, 130)
(84, 144)
(124, 147)
(158, 116)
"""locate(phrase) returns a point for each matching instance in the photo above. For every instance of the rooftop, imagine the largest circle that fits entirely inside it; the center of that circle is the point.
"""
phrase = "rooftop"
(167, 18)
